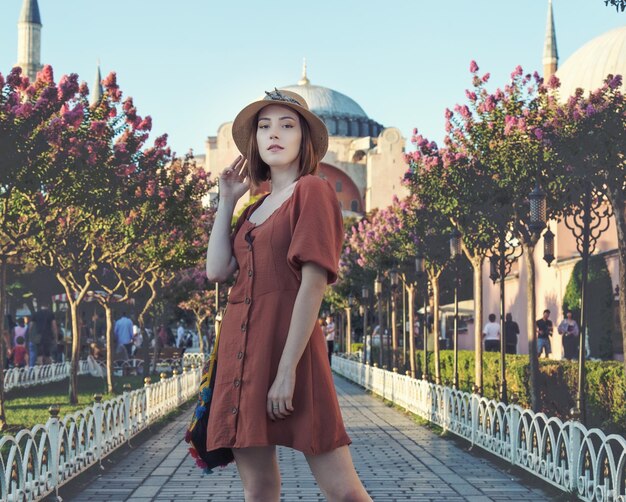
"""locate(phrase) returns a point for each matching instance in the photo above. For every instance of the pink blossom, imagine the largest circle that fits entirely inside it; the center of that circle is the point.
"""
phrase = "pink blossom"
(615, 82)
(24, 110)
(538, 133)
(590, 110)
(161, 141)
(554, 82)
(46, 75)
(68, 86)
(14, 78)
(489, 104)
(111, 87)
(470, 95)
(518, 72)
(473, 66)
(98, 127)
(73, 117)
(486, 77)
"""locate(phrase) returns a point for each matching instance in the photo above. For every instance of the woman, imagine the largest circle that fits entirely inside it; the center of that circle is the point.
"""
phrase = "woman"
(273, 384)
(570, 331)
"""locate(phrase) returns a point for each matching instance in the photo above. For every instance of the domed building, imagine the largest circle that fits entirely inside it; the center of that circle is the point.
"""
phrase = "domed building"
(589, 66)
(364, 162)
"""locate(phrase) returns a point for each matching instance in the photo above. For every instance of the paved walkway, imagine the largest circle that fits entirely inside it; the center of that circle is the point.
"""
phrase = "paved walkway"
(396, 459)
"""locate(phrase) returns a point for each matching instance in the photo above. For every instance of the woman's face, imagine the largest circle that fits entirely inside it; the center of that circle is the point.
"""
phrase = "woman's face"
(278, 135)
(569, 316)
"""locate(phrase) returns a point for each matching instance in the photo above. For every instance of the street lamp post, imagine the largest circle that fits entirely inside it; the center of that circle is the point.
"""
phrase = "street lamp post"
(367, 349)
(455, 254)
(589, 220)
(378, 292)
(504, 254)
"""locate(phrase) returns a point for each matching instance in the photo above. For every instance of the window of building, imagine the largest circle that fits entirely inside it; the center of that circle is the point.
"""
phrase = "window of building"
(354, 205)
(338, 186)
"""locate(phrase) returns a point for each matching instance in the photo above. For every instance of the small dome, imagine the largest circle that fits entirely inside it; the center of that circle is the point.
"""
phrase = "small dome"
(589, 66)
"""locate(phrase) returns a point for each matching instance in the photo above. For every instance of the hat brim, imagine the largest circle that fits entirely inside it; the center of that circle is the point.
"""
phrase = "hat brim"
(244, 124)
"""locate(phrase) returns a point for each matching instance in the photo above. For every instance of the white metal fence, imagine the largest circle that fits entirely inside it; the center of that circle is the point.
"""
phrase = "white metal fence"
(46, 373)
(35, 462)
(566, 454)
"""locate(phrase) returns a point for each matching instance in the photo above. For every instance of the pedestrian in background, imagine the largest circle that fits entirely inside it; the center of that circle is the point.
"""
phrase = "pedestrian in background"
(571, 336)
(511, 328)
(330, 337)
(124, 333)
(491, 335)
(44, 331)
(544, 333)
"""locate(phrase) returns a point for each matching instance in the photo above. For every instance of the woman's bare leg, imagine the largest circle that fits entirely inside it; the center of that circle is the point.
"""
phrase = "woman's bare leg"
(336, 477)
(258, 469)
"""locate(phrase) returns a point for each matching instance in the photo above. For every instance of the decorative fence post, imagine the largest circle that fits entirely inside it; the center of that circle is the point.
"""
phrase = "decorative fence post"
(148, 386)
(176, 376)
(127, 406)
(53, 426)
(98, 417)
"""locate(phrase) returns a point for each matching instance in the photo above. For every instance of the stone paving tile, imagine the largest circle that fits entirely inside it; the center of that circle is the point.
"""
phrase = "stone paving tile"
(396, 459)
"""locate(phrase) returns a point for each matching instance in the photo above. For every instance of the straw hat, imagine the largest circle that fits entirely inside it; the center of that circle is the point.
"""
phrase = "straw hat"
(244, 123)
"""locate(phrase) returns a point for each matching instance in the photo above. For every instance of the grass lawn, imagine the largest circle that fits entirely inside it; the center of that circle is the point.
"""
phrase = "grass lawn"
(26, 407)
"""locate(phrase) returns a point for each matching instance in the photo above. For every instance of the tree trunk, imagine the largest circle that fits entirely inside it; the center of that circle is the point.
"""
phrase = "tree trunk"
(199, 322)
(616, 198)
(477, 264)
(394, 331)
(434, 280)
(3, 347)
(108, 312)
(531, 313)
(411, 329)
(73, 389)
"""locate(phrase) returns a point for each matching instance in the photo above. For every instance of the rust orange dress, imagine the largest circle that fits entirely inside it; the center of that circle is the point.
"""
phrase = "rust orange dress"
(307, 227)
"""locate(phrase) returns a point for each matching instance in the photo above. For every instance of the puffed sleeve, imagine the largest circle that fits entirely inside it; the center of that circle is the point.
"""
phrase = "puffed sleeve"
(316, 227)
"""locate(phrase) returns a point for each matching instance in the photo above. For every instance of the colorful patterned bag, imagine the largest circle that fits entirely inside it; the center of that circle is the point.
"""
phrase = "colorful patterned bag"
(196, 434)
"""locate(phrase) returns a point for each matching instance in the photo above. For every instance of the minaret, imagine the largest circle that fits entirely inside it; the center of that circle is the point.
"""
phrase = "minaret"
(550, 53)
(304, 80)
(29, 39)
(96, 91)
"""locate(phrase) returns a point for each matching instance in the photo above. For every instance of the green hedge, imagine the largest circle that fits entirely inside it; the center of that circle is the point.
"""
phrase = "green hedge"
(558, 380)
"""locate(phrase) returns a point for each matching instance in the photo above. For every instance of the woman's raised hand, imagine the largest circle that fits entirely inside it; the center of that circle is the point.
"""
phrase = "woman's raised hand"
(234, 181)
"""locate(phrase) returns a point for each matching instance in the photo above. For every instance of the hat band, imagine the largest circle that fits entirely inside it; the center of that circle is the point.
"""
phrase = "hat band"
(276, 95)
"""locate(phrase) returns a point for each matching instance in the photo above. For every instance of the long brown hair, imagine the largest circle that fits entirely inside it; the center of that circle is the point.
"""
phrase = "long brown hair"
(259, 171)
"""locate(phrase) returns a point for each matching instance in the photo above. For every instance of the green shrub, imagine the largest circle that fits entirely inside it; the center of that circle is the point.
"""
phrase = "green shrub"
(558, 380)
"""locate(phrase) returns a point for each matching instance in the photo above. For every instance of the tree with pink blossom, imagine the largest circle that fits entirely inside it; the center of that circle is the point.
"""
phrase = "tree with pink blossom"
(588, 131)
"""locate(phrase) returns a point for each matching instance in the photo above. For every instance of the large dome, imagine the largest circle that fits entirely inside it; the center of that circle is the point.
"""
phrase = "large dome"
(326, 102)
(342, 115)
(589, 65)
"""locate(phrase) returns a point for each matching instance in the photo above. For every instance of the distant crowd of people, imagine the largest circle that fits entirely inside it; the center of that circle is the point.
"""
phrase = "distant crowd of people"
(41, 339)
(568, 329)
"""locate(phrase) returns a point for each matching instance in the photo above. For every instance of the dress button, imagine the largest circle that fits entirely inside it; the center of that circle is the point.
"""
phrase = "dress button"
(243, 326)
(249, 247)
(234, 410)
(237, 383)
(250, 273)
(239, 355)
(247, 301)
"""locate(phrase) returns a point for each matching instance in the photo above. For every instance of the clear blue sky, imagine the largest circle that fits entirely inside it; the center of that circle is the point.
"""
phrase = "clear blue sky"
(193, 64)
